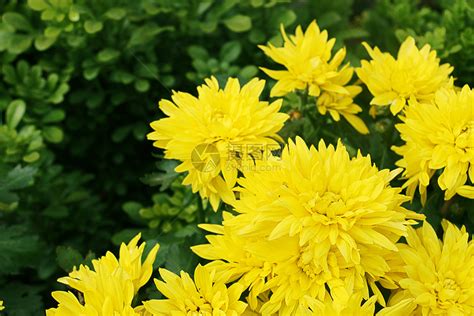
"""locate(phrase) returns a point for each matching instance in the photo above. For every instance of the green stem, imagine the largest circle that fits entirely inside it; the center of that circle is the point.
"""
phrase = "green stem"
(200, 216)
(304, 99)
(328, 133)
(445, 208)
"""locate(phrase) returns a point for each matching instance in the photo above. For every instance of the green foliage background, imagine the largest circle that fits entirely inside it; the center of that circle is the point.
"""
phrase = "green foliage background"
(79, 84)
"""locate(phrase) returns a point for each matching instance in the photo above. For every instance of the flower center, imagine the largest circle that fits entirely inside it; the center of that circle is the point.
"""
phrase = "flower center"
(329, 204)
(318, 267)
(308, 265)
(447, 290)
(314, 71)
(465, 140)
(311, 270)
(219, 116)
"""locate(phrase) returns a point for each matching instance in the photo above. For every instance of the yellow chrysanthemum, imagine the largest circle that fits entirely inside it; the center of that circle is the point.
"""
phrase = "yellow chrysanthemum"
(231, 260)
(205, 296)
(2, 307)
(439, 136)
(217, 133)
(319, 219)
(415, 75)
(439, 274)
(106, 292)
(130, 260)
(307, 59)
(338, 104)
(108, 288)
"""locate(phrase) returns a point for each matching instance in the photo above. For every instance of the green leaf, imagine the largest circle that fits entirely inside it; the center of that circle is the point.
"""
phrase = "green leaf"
(257, 3)
(230, 51)
(92, 27)
(238, 23)
(248, 72)
(164, 179)
(17, 178)
(132, 208)
(328, 19)
(145, 34)
(180, 258)
(197, 52)
(53, 134)
(43, 42)
(125, 235)
(257, 36)
(74, 15)
(52, 31)
(9, 74)
(68, 258)
(18, 248)
(120, 133)
(286, 18)
(187, 231)
(32, 157)
(351, 33)
(140, 130)
(91, 73)
(54, 116)
(48, 14)
(20, 43)
(142, 85)
(116, 13)
(58, 95)
(15, 111)
(21, 299)
(17, 21)
(38, 5)
(107, 55)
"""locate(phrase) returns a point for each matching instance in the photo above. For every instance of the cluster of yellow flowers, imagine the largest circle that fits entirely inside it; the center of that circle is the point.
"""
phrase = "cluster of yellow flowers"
(427, 277)
(437, 117)
(313, 231)
(110, 287)
(310, 68)
(320, 221)
(439, 136)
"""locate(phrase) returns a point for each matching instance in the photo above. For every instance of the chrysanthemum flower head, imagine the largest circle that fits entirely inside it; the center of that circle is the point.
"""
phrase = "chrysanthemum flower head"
(439, 274)
(108, 288)
(203, 296)
(307, 59)
(415, 75)
(439, 136)
(217, 133)
(2, 307)
(105, 292)
(130, 259)
(320, 219)
(231, 260)
(338, 104)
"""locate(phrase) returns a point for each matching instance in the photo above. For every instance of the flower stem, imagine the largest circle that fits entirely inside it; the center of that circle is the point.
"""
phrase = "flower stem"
(445, 208)
(200, 216)
(304, 99)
